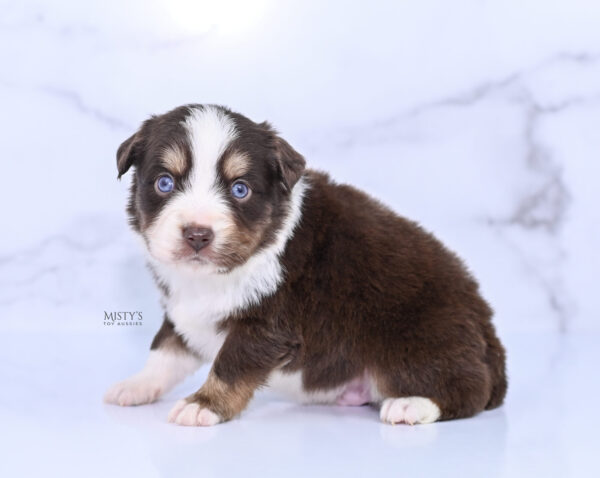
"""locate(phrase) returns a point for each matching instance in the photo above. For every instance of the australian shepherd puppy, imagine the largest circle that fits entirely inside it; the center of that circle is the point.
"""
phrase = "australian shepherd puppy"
(282, 278)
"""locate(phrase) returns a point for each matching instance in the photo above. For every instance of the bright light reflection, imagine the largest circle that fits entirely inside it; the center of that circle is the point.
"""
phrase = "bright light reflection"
(229, 17)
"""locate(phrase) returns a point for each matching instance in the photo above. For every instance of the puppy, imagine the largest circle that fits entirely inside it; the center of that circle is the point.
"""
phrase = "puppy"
(280, 277)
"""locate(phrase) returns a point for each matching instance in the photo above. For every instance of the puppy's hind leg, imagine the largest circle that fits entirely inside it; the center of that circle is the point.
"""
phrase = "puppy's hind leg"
(441, 390)
(169, 362)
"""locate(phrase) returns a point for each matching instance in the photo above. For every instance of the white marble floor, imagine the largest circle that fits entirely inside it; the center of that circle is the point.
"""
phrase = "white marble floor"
(477, 119)
(55, 424)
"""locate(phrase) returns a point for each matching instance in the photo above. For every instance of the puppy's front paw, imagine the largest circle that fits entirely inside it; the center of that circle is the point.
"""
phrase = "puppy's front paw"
(192, 415)
(410, 410)
(133, 391)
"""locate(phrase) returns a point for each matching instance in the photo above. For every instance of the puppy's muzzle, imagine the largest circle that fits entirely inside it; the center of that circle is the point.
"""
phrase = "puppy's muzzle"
(198, 237)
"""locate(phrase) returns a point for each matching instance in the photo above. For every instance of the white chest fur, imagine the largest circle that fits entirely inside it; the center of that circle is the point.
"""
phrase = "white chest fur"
(199, 300)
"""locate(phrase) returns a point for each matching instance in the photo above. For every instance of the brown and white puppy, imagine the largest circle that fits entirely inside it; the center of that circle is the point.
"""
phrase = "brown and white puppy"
(281, 277)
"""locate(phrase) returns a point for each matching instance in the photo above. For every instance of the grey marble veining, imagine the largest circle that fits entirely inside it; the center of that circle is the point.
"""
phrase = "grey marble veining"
(473, 123)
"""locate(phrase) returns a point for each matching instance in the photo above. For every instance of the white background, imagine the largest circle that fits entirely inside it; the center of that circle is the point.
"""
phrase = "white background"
(479, 119)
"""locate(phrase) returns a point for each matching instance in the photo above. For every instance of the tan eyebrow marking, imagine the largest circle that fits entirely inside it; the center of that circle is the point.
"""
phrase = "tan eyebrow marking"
(173, 158)
(236, 165)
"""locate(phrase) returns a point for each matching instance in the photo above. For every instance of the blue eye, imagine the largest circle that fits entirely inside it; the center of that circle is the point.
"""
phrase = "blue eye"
(165, 183)
(239, 190)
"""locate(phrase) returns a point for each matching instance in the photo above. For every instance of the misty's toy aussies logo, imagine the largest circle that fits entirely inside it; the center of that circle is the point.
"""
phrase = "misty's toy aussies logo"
(123, 318)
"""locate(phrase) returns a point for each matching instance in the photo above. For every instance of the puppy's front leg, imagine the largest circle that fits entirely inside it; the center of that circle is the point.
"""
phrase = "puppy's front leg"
(169, 362)
(250, 352)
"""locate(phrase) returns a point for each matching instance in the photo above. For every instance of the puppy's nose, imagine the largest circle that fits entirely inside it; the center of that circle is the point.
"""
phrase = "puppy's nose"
(198, 237)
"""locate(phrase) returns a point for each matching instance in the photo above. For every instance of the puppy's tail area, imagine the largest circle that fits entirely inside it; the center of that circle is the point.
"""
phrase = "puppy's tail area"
(496, 360)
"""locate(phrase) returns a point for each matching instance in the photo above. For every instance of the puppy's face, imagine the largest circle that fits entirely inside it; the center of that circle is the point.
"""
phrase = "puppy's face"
(211, 187)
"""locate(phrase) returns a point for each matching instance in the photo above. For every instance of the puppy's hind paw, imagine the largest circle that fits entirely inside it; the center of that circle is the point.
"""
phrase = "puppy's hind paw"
(192, 415)
(410, 410)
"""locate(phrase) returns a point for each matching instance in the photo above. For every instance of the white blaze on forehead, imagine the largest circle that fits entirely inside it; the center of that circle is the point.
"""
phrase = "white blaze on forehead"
(201, 202)
(210, 132)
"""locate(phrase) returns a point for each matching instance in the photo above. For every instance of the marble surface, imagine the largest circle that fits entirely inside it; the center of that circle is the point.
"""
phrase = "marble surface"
(55, 424)
(477, 118)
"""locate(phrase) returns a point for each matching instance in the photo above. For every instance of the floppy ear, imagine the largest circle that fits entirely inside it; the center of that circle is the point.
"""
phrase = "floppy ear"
(128, 153)
(290, 162)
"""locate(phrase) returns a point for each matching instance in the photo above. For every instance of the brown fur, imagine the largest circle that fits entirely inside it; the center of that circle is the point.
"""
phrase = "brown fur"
(365, 290)
(168, 339)
(226, 400)
(384, 296)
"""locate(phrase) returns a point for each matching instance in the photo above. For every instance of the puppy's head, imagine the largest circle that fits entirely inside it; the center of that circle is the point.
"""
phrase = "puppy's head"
(211, 187)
